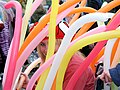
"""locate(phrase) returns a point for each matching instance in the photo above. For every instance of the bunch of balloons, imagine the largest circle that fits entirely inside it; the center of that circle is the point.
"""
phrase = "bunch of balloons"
(56, 64)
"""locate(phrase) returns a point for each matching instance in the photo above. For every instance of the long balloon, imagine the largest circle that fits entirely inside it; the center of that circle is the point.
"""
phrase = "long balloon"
(114, 51)
(25, 19)
(43, 22)
(23, 30)
(101, 53)
(67, 38)
(96, 30)
(90, 39)
(116, 57)
(27, 71)
(51, 42)
(15, 44)
(76, 16)
(35, 42)
(107, 55)
(92, 65)
(34, 77)
(106, 8)
(113, 25)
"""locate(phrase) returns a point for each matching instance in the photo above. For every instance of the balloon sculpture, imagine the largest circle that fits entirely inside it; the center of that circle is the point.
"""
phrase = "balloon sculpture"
(55, 65)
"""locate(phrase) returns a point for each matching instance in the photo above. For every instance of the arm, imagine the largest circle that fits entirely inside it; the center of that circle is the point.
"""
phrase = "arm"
(111, 75)
(115, 74)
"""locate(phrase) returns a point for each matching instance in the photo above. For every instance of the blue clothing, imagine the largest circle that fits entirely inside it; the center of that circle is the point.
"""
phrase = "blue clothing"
(115, 74)
(96, 4)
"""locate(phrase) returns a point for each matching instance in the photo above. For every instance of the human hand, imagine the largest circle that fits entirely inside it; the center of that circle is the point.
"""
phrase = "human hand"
(105, 76)
(23, 81)
(26, 80)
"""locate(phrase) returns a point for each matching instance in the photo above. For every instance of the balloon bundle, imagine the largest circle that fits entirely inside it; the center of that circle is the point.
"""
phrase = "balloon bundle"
(55, 65)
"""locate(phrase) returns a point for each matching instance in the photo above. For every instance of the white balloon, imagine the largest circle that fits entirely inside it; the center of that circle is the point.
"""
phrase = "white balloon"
(107, 57)
(66, 41)
(63, 27)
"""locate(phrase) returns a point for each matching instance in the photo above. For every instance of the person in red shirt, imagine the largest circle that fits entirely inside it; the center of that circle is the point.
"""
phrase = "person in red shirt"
(86, 81)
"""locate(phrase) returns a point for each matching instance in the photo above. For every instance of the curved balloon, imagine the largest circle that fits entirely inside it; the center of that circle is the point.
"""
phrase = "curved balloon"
(82, 9)
(67, 38)
(114, 51)
(35, 42)
(25, 20)
(43, 22)
(15, 44)
(94, 61)
(115, 61)
(23, 30)
(115, 46)
(107, 8)
(116, 57)
(27, 71)
(96, 30)
(78, 45)
(107, 55)
(76, 16)
(114, 21)
(39, 72)
(51, 42)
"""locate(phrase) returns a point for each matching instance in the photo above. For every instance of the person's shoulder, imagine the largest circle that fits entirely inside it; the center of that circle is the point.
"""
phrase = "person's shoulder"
(76, 59)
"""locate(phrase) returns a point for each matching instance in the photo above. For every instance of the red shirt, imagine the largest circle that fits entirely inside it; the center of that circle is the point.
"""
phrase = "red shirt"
(86, 81)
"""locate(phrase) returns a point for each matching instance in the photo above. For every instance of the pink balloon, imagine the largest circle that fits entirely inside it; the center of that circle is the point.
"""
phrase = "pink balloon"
(85, 64)
(39, 72)
(7, 64)
(23, 57)
(46, 65)
(35, 5)
(114, 23)
(91, 32)
(35, 42)
(112, 26)
(15, 44)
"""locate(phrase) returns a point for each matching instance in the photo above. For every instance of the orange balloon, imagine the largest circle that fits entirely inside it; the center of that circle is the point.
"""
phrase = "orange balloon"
(83, 9)
(92, 65)
(117, 56)
(76, 16)
(114, 16)
(64, 6)
(106, 8)
(54, 84)
(114, 51)
(42, 24)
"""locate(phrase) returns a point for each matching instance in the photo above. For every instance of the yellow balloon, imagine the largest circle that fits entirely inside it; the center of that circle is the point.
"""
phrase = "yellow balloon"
(51, 42)
(85, 41)
(25, 19)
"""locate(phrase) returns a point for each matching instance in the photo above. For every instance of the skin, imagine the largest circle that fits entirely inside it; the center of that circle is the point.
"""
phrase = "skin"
(42, 52)
(43, 47)
(105, 76)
